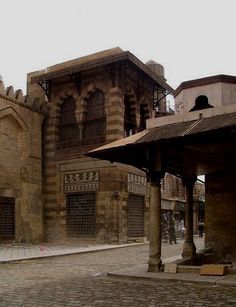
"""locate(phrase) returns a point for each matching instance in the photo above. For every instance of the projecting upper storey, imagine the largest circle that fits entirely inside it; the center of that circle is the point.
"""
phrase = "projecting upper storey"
(96, 60)
(205, 97)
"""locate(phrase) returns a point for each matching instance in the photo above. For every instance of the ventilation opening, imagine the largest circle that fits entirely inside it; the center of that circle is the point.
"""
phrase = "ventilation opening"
(201, 103)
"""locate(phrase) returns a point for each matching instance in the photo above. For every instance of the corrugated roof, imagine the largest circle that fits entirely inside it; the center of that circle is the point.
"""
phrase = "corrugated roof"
(214, 123)
(171, 131)
(189, 128)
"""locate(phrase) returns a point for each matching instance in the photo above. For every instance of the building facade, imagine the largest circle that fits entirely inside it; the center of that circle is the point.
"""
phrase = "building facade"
(21, 199)
(173, 202)
(92, 101)
(57, 194)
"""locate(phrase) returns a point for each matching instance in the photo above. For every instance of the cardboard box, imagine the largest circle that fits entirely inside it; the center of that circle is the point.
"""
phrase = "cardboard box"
(213, 269)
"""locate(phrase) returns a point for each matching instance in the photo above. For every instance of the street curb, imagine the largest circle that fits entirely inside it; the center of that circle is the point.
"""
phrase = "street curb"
(140, 273)
(72, 253)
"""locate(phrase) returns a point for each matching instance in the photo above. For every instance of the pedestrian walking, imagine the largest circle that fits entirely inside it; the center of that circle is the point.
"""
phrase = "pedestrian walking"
(201, 228)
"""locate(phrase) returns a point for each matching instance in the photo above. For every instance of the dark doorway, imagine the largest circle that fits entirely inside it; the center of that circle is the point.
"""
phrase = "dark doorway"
(135, 216)
(80, 214)
(7, 218)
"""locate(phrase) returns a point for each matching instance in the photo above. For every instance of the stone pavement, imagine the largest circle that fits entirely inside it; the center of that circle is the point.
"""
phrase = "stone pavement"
(81, 280)
(17, 252)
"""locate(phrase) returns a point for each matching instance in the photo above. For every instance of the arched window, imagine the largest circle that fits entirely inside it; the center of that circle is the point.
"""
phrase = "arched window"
(129, 119)
(95, 119)
(201, 103)
(68, 128)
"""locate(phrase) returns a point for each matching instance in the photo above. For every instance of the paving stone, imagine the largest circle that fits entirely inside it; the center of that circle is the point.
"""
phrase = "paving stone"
(67, 281)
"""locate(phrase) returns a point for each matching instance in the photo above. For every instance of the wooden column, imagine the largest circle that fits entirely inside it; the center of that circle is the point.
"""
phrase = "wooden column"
(189, 248)
(154, 263)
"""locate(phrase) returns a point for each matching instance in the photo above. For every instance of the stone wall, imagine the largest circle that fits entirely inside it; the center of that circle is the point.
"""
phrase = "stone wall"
(220, 213)
(21, 161)
(111, 194)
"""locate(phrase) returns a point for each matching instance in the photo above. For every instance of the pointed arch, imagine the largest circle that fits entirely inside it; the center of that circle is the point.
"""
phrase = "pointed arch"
(9, 111)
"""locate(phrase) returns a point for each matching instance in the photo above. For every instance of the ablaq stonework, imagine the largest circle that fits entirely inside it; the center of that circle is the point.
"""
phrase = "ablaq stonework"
(49, 190)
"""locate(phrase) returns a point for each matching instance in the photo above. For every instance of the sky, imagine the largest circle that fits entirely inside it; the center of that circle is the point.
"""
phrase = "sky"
(190, 38)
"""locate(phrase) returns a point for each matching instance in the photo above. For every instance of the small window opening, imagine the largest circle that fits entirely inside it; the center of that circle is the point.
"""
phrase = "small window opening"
(201, 103)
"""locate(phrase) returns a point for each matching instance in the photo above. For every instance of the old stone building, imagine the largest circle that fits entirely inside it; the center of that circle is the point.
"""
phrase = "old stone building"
(92, 101)
(49, 190)
(21, 164)
(173, 200)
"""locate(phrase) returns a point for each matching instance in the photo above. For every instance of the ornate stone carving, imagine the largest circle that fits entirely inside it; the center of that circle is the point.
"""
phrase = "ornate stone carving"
(83, 181)
(136, 184)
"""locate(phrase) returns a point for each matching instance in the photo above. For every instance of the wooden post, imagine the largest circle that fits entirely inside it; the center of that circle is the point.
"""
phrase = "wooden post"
(154, 263)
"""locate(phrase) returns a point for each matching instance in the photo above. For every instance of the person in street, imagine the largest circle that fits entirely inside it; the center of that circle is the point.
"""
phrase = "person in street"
(164, 228)
(201, 227)
(183, 231)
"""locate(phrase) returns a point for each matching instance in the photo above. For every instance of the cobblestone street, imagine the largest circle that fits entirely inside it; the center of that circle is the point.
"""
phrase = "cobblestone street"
(81, 280)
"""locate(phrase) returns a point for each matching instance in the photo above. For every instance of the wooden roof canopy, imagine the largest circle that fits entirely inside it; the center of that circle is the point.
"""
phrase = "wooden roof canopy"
(107, 57)
(195, 147)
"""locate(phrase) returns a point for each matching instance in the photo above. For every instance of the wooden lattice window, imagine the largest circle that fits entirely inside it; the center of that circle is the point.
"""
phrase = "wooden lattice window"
(68, 128)
(95, 121)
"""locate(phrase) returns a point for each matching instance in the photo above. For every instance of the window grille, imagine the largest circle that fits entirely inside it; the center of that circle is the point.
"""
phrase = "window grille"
(80, 214)
(7, 218)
